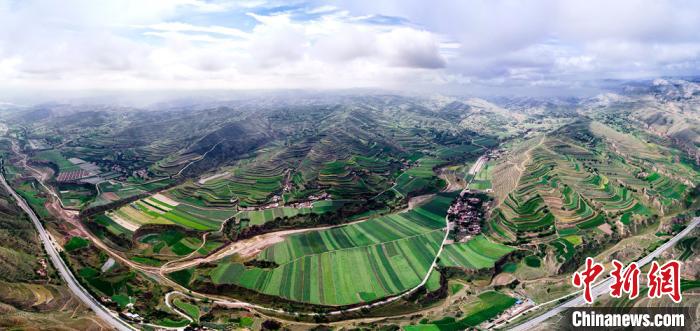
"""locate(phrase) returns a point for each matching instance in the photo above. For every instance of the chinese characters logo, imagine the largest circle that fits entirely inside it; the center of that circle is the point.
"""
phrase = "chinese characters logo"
(661, 280)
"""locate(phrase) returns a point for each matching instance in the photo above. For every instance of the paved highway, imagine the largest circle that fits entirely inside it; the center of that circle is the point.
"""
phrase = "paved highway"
(604, 286)
(78, 290)
(120, 324)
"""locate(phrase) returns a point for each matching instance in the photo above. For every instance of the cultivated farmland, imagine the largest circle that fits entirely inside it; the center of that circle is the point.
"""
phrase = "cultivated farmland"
(158, 209)
(316, 267)
(259, 217)
(571, 183)
(477, 253)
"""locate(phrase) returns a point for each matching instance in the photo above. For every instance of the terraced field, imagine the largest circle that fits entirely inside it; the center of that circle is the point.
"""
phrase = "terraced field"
(294, 173)
(174, 163)
(667, 189)
(111, 191)
(259, 217)
(556, 189)
(174, 243)
(29, 306)
(419, 177)
(572, 183)
(566, 186)
(28, 299)
(250, 186)
(159, 209)
(317, 267)
(347, 161)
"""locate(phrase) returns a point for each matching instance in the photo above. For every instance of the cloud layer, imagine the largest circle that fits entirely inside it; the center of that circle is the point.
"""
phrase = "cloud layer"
(408, 44)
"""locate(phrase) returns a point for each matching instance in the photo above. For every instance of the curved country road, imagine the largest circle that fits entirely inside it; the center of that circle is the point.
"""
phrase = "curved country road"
(119, 324)
(78, 290)
(240, 304)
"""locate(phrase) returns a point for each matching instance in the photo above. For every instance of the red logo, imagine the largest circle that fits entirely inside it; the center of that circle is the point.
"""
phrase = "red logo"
(665, 280)
(625, 280)
(588, 276)
(662, 280)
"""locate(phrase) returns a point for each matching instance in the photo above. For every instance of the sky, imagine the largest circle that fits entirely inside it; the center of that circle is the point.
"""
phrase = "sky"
(410, 45)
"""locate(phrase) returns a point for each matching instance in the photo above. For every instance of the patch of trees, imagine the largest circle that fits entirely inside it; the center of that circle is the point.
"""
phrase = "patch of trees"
(77, 187)
(121, 241)
(467, 274)
(545, 230)
(271, 325)
(271, 301)
(512, 285)
(430, 297)
(240, 231)
(160, 228)
(261, 264)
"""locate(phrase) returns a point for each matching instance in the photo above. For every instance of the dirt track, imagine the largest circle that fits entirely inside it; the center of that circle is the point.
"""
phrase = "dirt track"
(244, 248)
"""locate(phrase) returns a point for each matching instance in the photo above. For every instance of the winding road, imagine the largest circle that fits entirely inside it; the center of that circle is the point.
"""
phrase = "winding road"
(115, 321)
(604, 285)
(78, 290)
(239, 304)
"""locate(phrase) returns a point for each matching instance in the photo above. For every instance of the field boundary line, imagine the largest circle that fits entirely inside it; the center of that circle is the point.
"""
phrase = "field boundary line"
(365, 246)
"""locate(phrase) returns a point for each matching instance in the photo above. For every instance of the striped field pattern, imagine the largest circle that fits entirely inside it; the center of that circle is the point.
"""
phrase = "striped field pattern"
(394, 253)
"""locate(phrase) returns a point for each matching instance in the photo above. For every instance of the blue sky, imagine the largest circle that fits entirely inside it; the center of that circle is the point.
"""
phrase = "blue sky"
(412, 45)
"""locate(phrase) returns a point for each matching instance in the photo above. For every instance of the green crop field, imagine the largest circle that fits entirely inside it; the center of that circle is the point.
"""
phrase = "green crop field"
(316, 267)
(486, 306)
(477, 253)
(574, 239)
(570, 188)
(258, 217)
(489, 305)
(111, 191)
(76, 243)
(313, 202)
(173, 242)
(112, 226)
(55, 157)
(190, 309)
(152, 211)
(419, 178)
(686, 245)
(482, 179)
(433, 283)
(421, 327)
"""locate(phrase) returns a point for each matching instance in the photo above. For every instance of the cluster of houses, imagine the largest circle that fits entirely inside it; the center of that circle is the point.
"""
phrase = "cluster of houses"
(465, 216)
(522, 305)
(495, 153)
(127, 312)
(141, 173)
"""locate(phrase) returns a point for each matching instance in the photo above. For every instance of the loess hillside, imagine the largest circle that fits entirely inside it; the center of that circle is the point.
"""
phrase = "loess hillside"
(31, 294)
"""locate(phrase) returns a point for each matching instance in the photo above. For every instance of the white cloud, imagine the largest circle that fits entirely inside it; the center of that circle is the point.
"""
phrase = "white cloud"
(322, 9)
(115, 46)
(311, 44)
(407, 47)
(184, 27)
(560, 41)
